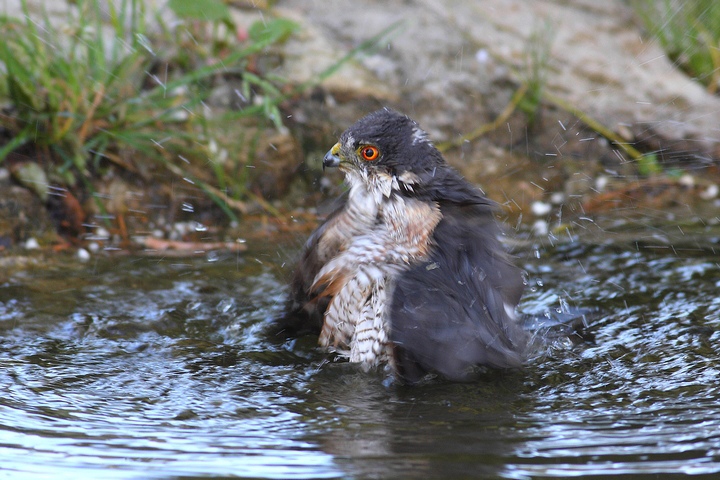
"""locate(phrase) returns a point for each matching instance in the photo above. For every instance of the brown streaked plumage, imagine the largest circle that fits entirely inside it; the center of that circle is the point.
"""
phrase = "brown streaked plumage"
(407, 272)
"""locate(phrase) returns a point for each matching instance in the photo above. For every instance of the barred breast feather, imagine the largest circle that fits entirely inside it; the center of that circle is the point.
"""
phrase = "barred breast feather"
(386, 235)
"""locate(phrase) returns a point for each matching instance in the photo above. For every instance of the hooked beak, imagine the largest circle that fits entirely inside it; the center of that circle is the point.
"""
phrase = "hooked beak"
(331, 158)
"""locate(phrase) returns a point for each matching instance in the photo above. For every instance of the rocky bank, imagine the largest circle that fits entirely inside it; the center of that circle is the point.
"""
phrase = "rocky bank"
(454, 66)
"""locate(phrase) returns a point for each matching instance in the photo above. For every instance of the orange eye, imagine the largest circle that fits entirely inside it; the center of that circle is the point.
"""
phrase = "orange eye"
(369, 153)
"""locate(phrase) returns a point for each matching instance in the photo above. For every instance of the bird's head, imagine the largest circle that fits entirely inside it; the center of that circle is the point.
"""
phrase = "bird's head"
(384, 142)
(389, 153)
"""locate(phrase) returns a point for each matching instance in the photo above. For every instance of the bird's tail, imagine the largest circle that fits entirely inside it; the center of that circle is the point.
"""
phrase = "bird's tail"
(576, 324)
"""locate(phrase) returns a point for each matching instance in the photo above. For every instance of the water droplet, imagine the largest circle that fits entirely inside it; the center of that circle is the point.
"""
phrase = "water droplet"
(240, 95)
(144, 42)
(225, 305)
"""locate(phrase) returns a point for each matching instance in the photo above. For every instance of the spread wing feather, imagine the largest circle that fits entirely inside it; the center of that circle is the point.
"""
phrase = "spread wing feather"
(305, 307)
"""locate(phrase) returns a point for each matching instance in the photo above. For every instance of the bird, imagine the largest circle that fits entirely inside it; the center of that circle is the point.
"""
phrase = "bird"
(407, 275)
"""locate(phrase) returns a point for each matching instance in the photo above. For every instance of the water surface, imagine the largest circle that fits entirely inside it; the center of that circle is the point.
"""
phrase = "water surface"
(128, 367)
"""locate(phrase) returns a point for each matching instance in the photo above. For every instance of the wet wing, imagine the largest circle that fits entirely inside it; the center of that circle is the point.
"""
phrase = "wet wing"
(456, 311)
(305, 308)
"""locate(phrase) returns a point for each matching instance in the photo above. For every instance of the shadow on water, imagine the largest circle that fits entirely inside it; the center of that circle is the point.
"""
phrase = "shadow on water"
(133, 367)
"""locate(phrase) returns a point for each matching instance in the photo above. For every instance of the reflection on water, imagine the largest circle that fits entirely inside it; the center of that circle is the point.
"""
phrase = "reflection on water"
(143, 367)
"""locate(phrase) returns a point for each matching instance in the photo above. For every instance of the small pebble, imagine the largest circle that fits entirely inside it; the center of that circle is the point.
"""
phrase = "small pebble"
(710, 192)
(601, 182)
(540, 208)
(31, 244)
(687, 181)
(557, 198)
(83, 255)
(540, 228)
(482, 56)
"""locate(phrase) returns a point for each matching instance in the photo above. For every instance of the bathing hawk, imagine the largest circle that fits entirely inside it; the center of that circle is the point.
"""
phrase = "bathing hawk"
(407, 273)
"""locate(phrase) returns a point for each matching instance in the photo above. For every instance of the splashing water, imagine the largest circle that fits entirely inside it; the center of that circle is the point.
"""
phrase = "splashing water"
(136, 366)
